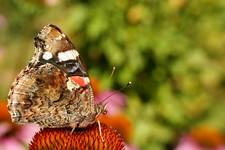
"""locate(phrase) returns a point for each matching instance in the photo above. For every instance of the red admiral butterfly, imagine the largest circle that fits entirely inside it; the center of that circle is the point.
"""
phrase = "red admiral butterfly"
(54, 89)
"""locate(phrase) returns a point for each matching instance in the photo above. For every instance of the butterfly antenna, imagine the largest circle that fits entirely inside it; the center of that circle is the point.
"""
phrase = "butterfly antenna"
(113, 93)
(113, 70)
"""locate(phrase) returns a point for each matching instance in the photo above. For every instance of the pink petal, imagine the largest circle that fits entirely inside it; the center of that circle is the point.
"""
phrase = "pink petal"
(222, 147)
(115, 100)
(4, 128)
(10, 144)
(130, 147)
(187, 143)
(3, 21)
(27, 132)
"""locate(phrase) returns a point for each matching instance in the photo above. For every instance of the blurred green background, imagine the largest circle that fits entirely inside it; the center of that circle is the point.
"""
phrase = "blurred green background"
(172, 50)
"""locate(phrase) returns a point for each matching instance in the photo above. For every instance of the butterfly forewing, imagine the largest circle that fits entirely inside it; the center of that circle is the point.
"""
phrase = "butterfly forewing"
(57, 49)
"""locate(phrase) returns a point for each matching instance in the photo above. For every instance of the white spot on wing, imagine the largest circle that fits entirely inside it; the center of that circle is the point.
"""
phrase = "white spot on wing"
(86, 80)
(71, 85)
(59, 37)
(47, 46)
(68, 55)
(47, 55)
(63, 35)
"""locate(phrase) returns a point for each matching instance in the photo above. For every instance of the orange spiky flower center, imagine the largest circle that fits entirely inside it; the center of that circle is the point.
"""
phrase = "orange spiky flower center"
(82, 139)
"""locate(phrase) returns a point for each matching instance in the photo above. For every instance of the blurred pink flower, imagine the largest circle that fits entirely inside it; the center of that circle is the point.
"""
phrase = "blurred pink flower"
(4, 127)
(2, 53)
(26, 132)
(12, 136)
(115, 101)
(10, 143)
(16, 139)
(131, 147)
(3, 21)
(188, 143)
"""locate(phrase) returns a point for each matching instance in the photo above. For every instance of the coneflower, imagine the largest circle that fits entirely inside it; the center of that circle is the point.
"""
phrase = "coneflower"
(80, 139)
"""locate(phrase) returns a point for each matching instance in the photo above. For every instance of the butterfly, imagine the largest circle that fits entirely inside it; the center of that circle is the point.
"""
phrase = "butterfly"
(54, 89)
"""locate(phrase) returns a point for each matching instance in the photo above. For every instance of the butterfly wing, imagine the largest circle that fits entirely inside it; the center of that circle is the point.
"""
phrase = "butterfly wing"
(54, 90)
(57, 49)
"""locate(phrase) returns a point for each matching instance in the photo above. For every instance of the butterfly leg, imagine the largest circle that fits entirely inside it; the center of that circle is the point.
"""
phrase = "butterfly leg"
(100, 131)
(73, 127)
(71, 132)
